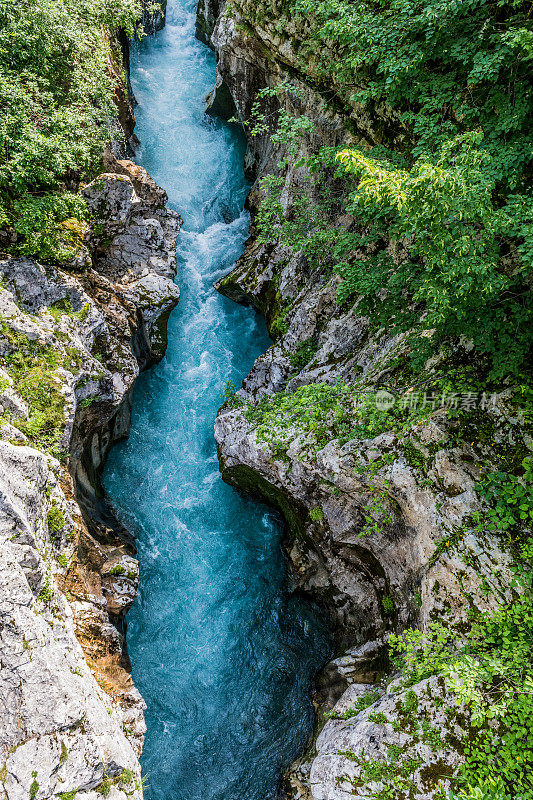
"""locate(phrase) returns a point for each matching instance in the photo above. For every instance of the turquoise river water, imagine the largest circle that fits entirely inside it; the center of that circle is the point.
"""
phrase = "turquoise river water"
(222, 655)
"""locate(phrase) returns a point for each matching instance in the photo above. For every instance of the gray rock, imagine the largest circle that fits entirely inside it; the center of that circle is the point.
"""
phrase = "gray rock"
(71, 719)
(336, 771)
(406, 569)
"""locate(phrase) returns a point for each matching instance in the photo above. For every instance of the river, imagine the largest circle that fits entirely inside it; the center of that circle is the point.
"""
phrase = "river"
(223, 656)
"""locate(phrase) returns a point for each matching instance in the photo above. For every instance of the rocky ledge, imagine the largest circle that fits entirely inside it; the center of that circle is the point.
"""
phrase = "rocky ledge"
(72, 343)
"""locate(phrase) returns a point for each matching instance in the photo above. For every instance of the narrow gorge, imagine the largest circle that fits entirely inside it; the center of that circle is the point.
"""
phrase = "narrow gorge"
(221, 655)
(266, 426)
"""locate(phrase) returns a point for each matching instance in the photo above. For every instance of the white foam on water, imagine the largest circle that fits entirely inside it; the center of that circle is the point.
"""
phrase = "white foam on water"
(221, 654)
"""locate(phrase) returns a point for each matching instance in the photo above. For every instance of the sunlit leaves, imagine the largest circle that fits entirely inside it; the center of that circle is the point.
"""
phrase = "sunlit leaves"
(56, 100)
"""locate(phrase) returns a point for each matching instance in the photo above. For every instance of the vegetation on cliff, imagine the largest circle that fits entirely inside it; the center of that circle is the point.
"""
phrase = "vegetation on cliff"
(58, 78)
(427, 218)
(486, 676)
(441, 186)
(483, 661)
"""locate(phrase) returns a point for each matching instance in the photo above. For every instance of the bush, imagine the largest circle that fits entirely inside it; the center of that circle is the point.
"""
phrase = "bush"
(57, 100)
(443, 204)
(52, 226)
(55, 520)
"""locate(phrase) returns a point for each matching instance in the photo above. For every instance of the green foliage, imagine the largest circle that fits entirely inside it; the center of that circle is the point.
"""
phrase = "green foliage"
(68, 795)
(316, 514)
(510, 499)
(46, 594)
(60, 307)
(104, 788)
(393, 774)
(486, 667)
(388, 604)
(55, 520)
(364, 701)
(51, 225)
(489, 669)
(64, 754)
(443, 68)
(82, 314)
(303, 354)
(125, 777)
(446, 544)
(34, 788)
(230, 397)
(32, 365)
(452, 265)
(392, 777)
(376, 514)
(321, 412)
(57, 87)
(447, 91)
(86, 402)
(378, 717)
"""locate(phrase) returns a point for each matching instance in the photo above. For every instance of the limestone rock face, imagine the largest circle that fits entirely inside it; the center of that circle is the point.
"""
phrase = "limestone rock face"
(133, 234)
(379, 529)
(424, 481)
(245, 66)
(71, 720)
(335, 560)
(58, 727)
(427, 738)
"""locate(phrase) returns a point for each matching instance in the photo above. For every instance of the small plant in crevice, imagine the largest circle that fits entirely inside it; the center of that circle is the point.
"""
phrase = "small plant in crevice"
(55, 519)
(34, 788)
(32, 365)
(367, 699)
(388, 605)
(231, 399)
(303, 354)
(376, 514)
(316, 514)
(64, 754)
(46, 594)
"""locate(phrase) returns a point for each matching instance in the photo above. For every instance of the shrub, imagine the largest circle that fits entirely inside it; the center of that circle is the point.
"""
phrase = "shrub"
(57, 100)
(448, 90)
(55, 520)
(51, 225)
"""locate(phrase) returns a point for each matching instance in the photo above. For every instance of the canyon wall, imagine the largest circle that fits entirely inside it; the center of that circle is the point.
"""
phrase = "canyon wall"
(371, 522)
(73, 341)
